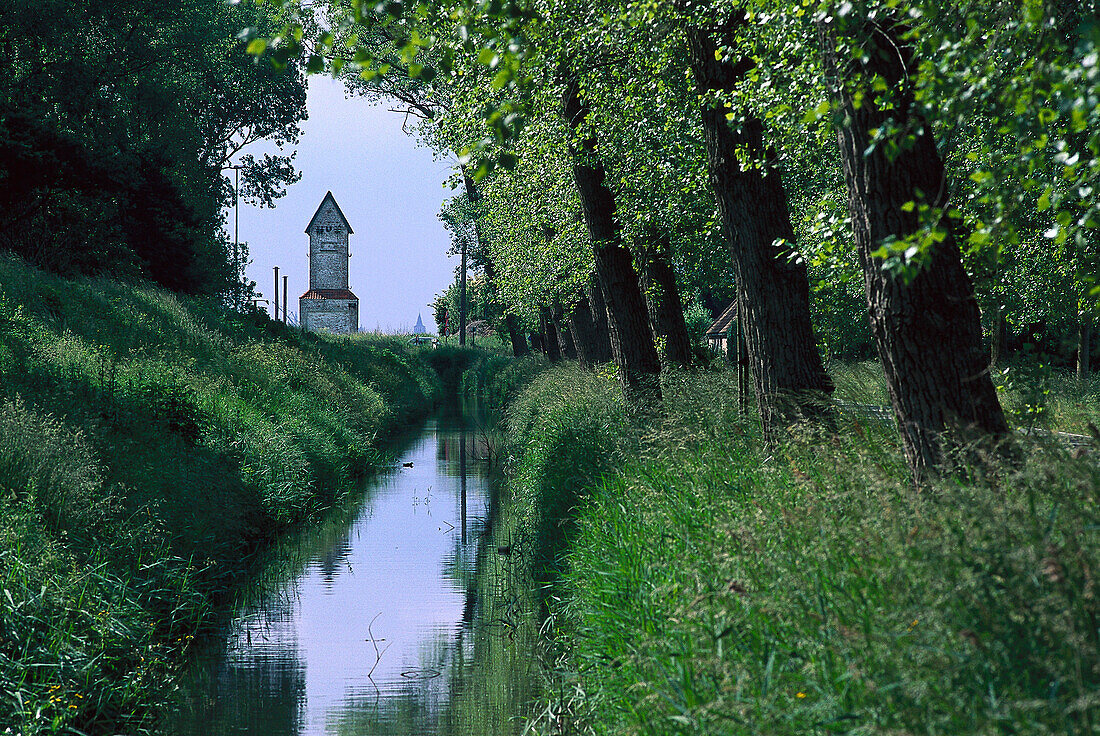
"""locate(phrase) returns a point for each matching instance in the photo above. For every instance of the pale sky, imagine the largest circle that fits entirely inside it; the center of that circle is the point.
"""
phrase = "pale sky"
(389, 189)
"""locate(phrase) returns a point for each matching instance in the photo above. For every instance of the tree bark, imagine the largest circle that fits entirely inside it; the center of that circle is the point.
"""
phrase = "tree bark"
(601, 352)
(631, 339)
(583, 331)
(926, 325)
(565, 335)
(773, 290)
(666, 311)
(550, 335)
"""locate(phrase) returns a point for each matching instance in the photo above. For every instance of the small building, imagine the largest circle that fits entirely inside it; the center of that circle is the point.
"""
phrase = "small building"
(718, 332)
(329, 304)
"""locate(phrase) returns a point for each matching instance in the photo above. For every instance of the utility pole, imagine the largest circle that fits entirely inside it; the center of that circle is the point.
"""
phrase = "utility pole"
(462, 296)
(236, 237)
(284, 300)
(275, 301)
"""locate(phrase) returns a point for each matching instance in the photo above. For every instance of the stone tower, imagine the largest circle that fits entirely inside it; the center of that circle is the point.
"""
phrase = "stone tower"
(329, 304)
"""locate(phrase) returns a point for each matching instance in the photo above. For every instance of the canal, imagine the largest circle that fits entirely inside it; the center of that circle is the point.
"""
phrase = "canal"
(368, 622)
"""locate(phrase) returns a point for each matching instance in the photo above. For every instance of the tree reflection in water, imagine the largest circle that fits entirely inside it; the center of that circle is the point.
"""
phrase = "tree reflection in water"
(403, 561)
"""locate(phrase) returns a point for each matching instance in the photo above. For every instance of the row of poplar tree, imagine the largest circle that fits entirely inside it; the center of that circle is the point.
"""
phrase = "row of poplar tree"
(614, 152)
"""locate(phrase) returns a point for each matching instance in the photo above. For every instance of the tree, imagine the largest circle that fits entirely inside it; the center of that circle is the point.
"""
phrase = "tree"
(924, 319)
(772, 285)
(631, 339)
(116, 120)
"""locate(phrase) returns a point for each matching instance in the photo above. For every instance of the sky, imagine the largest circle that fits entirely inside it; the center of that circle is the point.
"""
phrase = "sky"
(388, 187)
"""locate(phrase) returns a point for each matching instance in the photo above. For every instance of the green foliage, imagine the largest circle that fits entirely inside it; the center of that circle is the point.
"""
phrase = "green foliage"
(117, 122)
(151, 447)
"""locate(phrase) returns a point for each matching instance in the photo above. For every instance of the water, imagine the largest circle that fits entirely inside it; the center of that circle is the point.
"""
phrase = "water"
(372, 627)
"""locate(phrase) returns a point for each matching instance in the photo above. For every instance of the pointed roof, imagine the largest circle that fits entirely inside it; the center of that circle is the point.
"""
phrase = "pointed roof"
(722, 324)
(329, 198)
(419, 328)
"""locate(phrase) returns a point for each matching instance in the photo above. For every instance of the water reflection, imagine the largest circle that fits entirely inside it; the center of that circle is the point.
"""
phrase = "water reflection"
(368, 634)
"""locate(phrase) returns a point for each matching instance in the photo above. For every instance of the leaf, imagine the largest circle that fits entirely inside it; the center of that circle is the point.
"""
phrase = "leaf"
(817, 113)
(1044, 201)
(257, 46)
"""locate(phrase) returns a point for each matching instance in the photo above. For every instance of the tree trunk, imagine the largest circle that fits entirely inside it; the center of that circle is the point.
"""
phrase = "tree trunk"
(773, 290)
(1084, 346)
(666, 311)
(537, 342)
(583, 331)
(520, 347)
(550, 335)
(601, 336)
(631, 340)
(926, 324)
(565, 336)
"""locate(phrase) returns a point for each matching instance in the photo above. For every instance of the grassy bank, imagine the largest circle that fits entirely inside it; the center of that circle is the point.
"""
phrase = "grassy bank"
(148, 447)
(694, 581)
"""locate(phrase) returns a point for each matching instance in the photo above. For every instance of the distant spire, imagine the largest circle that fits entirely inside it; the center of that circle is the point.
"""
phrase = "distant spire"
(419, 329)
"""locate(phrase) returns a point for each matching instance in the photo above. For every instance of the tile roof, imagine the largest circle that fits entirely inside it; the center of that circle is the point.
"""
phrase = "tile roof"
(329, 294)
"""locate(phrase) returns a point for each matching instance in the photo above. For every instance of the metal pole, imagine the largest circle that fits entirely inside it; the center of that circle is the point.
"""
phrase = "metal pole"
(275, 301)
(284, 300)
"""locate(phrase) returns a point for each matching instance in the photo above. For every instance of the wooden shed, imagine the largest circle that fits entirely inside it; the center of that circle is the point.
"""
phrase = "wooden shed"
(719, 331)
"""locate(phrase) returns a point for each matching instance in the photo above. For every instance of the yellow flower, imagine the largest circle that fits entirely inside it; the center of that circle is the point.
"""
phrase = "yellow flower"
(800, 695)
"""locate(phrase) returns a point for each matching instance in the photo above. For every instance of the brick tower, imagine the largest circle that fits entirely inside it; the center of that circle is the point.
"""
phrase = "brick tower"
(329, 304)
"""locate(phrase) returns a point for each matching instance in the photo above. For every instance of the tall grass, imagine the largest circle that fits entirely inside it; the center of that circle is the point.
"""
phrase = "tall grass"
(149, 446)
(703, 583)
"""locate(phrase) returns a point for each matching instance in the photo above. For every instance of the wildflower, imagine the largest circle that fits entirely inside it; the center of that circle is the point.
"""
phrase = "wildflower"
(800, 695)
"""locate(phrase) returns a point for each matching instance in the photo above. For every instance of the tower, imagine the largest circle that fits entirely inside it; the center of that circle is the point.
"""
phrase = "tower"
(329, 304)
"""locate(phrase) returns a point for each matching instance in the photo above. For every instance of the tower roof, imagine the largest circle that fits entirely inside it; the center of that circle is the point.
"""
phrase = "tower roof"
(328, 198)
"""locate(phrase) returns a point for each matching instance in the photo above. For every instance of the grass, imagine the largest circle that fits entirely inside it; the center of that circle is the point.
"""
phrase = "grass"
(698, 582)
(149, 447)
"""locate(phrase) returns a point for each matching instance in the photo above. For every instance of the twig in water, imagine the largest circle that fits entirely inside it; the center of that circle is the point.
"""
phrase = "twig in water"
(374, 643)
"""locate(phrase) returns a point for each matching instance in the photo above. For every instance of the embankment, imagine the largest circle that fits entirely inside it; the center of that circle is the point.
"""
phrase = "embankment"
(688, 579)
(149, 446)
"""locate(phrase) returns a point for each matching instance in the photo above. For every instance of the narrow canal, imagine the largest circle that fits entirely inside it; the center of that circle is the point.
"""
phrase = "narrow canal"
(368, 622)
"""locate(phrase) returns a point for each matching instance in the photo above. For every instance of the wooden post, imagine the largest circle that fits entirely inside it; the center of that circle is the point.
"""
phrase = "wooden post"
(275, 301)
(742, 368)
